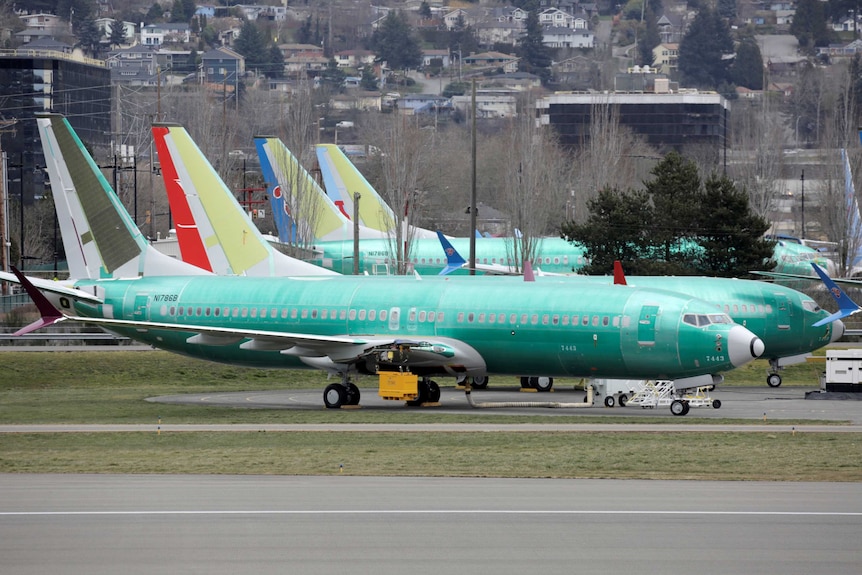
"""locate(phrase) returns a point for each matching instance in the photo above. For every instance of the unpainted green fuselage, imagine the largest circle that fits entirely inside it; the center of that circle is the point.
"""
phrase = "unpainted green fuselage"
(427, 257)
(516, 327)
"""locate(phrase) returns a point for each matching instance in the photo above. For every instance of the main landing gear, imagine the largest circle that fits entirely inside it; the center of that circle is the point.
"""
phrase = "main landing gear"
(337, 395)
(773, 379)
(429, 392)
(541, 384)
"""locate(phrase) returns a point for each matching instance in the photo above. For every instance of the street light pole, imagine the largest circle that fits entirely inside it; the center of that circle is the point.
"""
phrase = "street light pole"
(802, 187)
(21, 211)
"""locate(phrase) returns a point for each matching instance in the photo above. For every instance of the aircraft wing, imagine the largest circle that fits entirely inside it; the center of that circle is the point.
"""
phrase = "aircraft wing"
(338, 348)
(779, 275)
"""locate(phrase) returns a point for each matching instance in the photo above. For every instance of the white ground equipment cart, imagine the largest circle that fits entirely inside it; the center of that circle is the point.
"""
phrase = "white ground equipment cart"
(652, 394)
(611, 392)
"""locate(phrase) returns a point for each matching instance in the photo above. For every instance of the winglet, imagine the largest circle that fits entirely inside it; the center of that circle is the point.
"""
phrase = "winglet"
(619, 275)
(454, 260)
(50, 314)
(846, 305)
(528, 272)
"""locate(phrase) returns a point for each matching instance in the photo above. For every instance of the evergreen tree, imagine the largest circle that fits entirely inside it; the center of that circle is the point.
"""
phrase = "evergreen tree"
(369, 80)
(747, 67)
(674, 227)
(703, 51)
(89, 37)
(155, 13)
(726, 9)
(674, 191)
(303, 34)
(118, 34)
(395, 43)
(809, 24)
(182, 10)
(535, 56)
(464, 40)
(333, 76)
(251, 44)
(425, 9)
(614, 231)
(275, 68)
(731, 234)
(650, 38)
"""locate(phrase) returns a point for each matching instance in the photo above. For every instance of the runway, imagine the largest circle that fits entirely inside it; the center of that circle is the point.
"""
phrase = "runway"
(87, 524)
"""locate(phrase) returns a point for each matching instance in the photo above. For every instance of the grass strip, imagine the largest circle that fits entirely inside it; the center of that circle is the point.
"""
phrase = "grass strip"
(715, 456)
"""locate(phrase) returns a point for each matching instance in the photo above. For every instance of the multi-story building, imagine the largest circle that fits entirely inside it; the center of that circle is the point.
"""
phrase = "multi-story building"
(666, 121)
(34, 81)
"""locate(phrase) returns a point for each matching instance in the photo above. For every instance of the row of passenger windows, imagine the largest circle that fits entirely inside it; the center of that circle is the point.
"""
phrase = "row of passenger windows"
(493, 261)
(295, 313)
(381, 315)
(546, 319)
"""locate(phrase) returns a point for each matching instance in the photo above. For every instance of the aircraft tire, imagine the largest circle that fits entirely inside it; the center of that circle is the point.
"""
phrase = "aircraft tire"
(609, 401)
(525, 383)
(678, 407)
(433, 392)
(716, 404)
(353, 394)
(480, 382)
(424, 391)
(334, 396)
(542, 384)
(623, 400)
(773, 380)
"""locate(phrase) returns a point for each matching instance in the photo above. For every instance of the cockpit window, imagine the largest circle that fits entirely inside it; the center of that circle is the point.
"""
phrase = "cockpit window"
(702, 319)
(810, 305)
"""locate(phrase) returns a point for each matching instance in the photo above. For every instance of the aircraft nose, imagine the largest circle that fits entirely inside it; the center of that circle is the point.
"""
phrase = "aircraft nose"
(837, 330)
(743, 346)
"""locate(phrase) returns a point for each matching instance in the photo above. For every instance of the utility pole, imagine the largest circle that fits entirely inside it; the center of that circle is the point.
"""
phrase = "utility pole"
(802, 193)
(473, 187)
(356, 196)
(4, 218)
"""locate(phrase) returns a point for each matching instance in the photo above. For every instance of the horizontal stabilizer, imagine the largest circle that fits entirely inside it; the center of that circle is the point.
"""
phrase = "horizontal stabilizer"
(847, 306)
(49, 314)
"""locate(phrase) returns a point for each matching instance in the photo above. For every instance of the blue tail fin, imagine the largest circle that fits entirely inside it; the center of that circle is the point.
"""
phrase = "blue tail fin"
(846, 305)
(454, 261)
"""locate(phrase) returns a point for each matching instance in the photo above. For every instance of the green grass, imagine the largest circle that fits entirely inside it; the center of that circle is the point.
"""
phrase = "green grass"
(716, 456)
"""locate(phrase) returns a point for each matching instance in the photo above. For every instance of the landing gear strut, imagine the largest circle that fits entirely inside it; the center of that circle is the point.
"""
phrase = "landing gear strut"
(773, 378)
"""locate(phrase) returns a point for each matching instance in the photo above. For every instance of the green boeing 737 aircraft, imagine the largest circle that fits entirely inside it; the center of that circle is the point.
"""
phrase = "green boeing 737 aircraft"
(348, 325)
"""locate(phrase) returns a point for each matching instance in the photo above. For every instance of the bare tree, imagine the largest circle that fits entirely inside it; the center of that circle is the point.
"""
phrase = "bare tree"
(612, 157)
(404, 146)
(838, 212)
(758, 160)
(536, 173)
